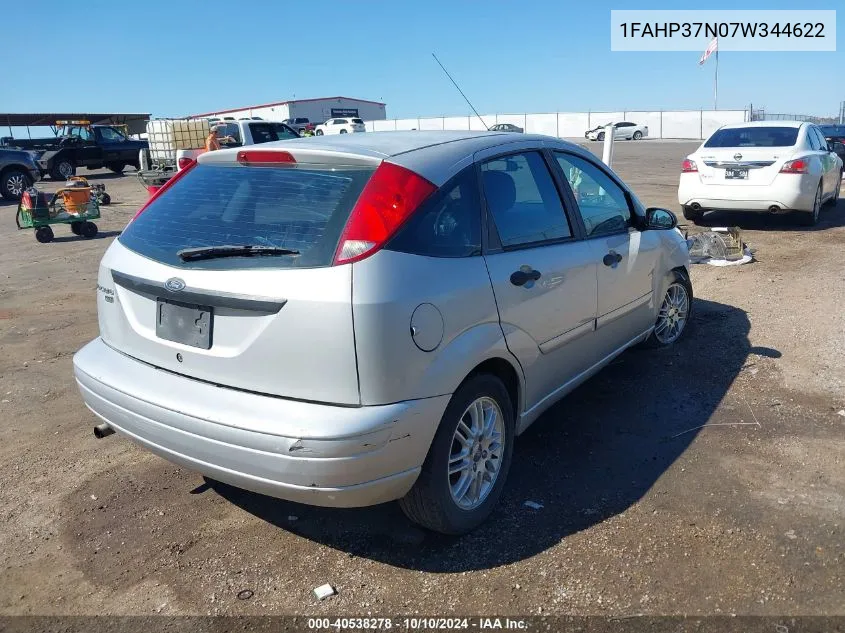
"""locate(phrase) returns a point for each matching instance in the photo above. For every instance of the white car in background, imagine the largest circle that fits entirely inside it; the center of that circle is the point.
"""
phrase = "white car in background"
(769, 166)
(340, 126)
(624, 130)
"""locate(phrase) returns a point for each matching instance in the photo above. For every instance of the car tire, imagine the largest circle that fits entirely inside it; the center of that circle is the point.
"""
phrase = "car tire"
(343, 131)
(319, 133)
(691, 214)
(811, 218)
(144, 161)
(88, 230)
(116, 167)
(600, 137)
(637, 135)
(835, 198)
(62, 170)
(44, 234)
(432, 502)
(675, 308)
(13, 182)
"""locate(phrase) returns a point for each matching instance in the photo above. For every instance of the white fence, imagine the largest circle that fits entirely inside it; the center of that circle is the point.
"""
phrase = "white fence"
(680, 124)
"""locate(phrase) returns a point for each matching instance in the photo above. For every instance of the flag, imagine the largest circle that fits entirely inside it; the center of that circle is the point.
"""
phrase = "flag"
(711, 48)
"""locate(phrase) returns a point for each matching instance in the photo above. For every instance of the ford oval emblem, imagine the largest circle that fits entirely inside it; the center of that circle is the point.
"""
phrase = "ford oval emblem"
(174, 284)
(737, 157)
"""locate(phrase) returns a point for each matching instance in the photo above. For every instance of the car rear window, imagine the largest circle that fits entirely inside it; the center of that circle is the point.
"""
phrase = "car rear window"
(299, 208)
(833, 130)
(357, 121)
(754, 137)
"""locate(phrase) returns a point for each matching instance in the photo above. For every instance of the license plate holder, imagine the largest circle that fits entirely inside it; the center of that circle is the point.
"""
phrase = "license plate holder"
(736, 173)
(185, 323)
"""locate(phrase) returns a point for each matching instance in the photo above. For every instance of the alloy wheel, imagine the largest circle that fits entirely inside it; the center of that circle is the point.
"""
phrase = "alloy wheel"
(16, 184)
(475, 458)
(673, 314)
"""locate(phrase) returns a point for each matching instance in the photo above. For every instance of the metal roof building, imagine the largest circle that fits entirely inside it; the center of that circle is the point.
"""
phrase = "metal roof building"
(313, 109)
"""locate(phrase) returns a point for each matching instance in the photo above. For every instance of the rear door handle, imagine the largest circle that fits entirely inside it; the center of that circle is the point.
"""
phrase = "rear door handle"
(611, 259)
(524, 275)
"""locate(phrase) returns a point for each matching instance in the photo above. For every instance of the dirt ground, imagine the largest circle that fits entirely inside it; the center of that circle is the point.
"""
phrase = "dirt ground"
(644, 512)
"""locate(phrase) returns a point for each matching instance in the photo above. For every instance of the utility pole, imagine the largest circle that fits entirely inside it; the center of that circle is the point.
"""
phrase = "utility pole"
(842, 113)
(716, 83)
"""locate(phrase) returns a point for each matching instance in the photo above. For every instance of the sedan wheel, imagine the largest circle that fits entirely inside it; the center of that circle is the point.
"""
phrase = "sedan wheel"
(811, 218)
(476, 454)
(832, 201)
(468, 461)
(673, 314)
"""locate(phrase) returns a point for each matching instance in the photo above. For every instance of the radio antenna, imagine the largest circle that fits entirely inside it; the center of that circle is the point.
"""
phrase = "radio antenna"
(461, 91)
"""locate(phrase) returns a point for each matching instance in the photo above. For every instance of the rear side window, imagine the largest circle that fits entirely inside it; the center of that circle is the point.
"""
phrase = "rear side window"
(448, 224)
(360, 121)
(522, 199)
(303, 209)
(754, 137)
(267, 132)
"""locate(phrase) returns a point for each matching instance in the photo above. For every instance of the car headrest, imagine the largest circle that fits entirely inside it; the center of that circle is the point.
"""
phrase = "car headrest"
(500, 191)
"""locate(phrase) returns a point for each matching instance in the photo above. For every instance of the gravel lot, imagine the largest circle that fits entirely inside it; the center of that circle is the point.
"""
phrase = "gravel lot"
(643, 511)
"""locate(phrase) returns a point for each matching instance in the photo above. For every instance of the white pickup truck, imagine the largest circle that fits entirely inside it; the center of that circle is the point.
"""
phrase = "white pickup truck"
(239, 133)
(174, 143)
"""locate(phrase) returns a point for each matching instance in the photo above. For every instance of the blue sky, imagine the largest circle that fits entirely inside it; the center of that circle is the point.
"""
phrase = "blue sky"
(181, 57)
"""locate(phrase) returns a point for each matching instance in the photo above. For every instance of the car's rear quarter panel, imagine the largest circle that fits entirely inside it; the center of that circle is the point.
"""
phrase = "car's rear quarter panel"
(386, 290)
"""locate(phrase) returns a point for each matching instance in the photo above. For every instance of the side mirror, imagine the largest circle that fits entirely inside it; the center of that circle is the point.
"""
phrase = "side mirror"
(660, 219)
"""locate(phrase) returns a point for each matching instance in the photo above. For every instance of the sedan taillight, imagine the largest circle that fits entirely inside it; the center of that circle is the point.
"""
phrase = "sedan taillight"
(797, 166)
(688, 166)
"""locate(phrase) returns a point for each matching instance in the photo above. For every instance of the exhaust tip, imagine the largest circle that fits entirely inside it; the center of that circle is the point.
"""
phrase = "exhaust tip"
(102, 430)
(774, 208)
(695, 206)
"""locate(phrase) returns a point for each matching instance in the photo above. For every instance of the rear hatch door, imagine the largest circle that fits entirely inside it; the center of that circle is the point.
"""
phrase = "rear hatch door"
(179, 291)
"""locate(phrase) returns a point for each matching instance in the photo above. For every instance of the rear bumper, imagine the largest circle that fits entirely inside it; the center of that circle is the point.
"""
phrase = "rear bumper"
(795, 194)
(305, 452)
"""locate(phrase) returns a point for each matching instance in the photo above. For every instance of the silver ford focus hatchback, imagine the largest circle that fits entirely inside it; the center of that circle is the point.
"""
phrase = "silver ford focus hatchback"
(348, 320)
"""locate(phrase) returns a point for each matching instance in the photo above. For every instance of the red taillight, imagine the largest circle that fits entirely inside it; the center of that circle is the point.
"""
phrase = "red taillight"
(387, 201)
(688, 166)
(165, 187)
(184, 162)
(264, 157)
(797, 166)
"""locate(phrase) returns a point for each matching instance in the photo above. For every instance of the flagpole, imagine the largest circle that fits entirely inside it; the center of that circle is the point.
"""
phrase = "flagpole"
(716, 82)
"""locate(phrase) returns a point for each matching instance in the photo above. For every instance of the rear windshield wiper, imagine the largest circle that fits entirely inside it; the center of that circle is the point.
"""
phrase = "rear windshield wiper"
(244, 250)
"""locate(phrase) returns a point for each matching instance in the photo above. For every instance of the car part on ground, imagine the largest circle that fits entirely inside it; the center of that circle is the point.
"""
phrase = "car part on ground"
(719, 247)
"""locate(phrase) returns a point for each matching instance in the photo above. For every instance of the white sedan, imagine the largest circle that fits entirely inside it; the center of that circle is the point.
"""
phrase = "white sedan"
(622, 130)
(769, 166)
(340, 126)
